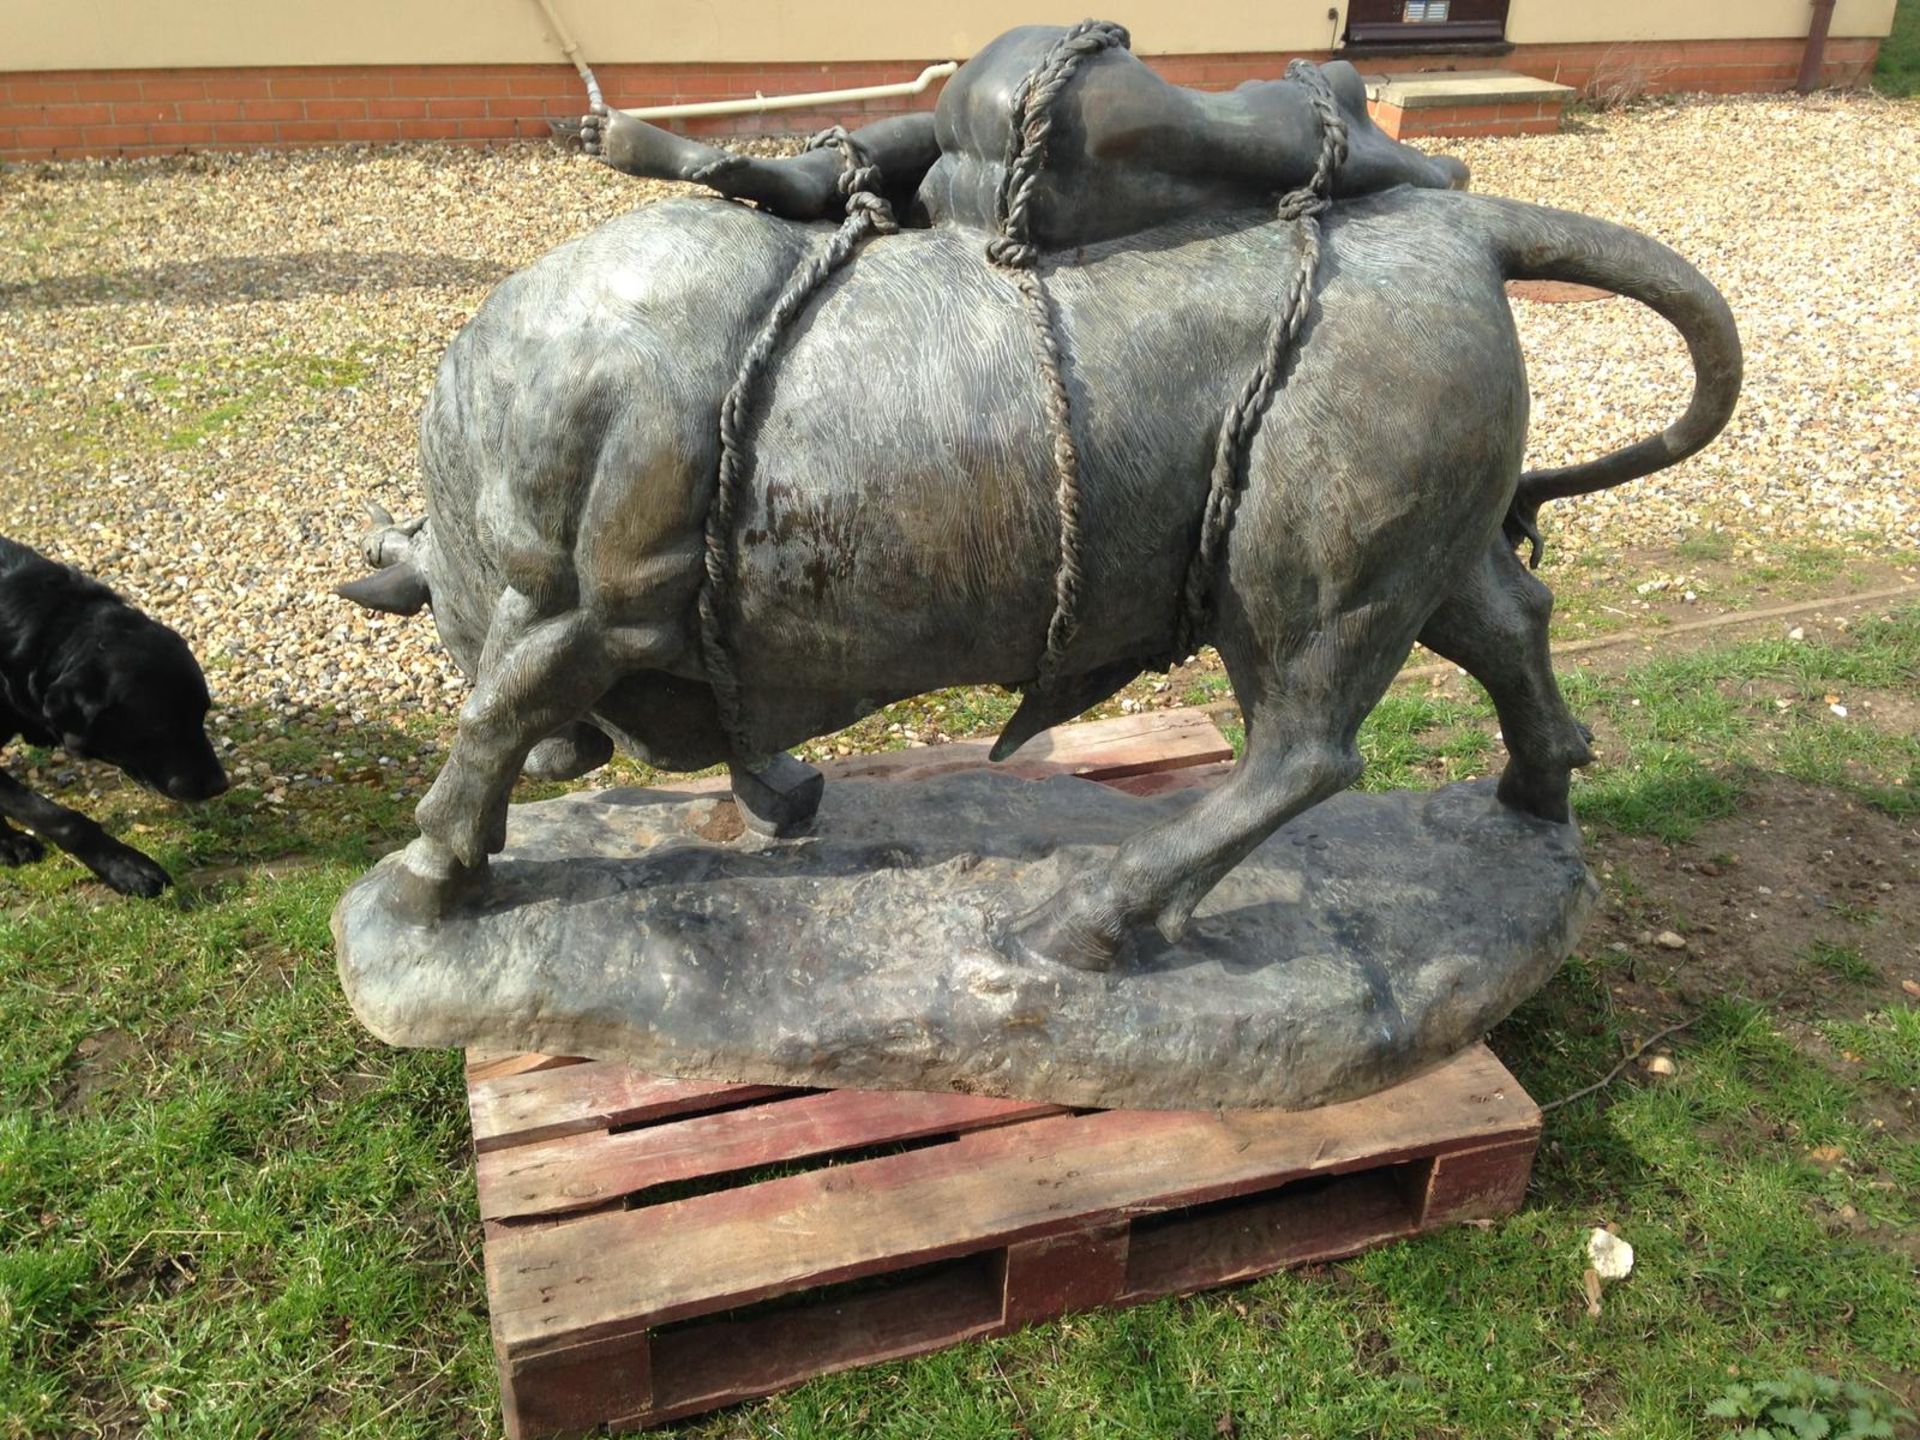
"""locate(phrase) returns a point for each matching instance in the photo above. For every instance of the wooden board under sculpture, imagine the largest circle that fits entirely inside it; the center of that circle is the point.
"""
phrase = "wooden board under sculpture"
(1046, 389)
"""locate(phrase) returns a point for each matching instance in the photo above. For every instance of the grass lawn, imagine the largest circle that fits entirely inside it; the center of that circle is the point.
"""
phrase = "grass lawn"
(225, 1211)
(1898, 70)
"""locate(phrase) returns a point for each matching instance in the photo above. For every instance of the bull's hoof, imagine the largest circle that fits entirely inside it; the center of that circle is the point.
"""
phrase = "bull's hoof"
(1545, 796)
(780, 799)
(430, 882)
(1051, 934)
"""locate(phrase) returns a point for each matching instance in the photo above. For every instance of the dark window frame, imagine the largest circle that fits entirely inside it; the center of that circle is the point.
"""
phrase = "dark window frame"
(1380, 23)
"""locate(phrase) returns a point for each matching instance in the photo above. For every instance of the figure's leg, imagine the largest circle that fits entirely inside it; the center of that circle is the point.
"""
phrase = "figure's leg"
(121, 866)
(634, 147)
(799, 187)
(1494, 625)
(1305, 697)
(1263, 136)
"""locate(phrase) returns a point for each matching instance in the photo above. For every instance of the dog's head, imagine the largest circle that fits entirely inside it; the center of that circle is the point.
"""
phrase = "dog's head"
(131, 694)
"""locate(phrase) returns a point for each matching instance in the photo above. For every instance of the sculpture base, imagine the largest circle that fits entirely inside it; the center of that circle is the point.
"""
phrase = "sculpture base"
(1365, 942)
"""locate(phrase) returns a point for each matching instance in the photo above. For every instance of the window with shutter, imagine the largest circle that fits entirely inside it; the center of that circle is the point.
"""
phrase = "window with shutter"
(1425, 22)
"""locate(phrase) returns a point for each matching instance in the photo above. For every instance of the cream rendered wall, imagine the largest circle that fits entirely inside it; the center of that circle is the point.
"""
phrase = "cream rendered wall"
(143, 34)
(139, 34)
(1560, 22)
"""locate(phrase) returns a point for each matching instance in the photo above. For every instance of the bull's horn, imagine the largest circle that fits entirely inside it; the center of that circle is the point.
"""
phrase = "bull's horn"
(377, 512)
(397, 590)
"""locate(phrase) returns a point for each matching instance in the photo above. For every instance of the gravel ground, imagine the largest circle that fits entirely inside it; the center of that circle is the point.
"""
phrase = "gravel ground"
(207, 364)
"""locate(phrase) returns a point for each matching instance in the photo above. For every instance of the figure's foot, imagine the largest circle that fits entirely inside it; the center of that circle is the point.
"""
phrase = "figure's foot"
(1055, 933)
(568, 754)
(633, 147)
(781, 799)
(429, 882)
(799, 187)
(19, 848)
(1376, 161)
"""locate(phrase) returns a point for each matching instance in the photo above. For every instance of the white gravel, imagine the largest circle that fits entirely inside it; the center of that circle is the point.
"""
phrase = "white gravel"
(207, 364)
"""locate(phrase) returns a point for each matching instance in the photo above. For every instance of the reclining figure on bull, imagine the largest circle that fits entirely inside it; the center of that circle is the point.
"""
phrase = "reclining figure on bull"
(1166, 369)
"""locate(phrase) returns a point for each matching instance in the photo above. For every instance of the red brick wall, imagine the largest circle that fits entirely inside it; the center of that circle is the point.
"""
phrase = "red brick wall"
(125, 112)
(1523, 117)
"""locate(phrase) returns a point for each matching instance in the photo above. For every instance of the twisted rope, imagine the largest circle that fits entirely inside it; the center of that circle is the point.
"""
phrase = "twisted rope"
(1013, 250)
(1242, 419)
(868, 213)
(1032, 129)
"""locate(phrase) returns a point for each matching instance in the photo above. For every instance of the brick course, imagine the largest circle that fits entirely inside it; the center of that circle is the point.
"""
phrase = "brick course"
(65, 114)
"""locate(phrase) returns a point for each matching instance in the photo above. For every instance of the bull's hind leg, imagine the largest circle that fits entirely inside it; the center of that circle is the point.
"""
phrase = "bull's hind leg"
(537, 675)
(1494, 625)
(1304, 706)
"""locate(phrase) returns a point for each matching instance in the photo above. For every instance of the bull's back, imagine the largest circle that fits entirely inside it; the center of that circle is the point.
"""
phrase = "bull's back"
(900, 530)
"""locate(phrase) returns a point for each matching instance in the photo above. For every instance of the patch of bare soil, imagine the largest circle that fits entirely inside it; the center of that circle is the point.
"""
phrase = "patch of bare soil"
(97, 1064)
(1804, 898)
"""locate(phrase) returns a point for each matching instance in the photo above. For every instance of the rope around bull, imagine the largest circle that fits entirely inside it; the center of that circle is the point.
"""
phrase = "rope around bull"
(868, 213)
(1242, 419)
(1014, 251)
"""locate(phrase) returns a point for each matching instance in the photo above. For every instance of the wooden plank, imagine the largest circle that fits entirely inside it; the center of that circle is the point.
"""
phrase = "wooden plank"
(484, 1065)
(1161, 782)
(1265, 1232)
(572, 1390)
(524, 1109)
(1081, 1270)
(991, 1187)
(724, 1360)
(1094, 750)
(1106, 750)
(580, 1171)
(1476, 1184)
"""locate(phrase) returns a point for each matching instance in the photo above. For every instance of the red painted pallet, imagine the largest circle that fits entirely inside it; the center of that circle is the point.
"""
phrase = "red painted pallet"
(656, 1248)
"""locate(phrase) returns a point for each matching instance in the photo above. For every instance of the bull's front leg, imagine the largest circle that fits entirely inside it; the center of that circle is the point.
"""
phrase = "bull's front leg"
(1302, 719)
(537, 675)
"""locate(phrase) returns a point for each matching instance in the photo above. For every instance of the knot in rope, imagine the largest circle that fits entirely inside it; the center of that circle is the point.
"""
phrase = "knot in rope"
(1011, 254)
(859, 181)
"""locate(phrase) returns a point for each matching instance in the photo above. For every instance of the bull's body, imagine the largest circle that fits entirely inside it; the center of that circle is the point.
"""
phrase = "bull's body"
(898, 530)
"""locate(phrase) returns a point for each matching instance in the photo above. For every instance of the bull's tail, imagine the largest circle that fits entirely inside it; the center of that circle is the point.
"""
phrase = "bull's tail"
(1534, 243)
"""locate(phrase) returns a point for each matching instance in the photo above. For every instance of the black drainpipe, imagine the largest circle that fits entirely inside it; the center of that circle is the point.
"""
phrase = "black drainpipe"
(1816, 50)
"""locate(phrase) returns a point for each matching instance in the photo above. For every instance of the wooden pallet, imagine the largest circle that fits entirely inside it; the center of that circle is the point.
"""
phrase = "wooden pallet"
(656, 1248)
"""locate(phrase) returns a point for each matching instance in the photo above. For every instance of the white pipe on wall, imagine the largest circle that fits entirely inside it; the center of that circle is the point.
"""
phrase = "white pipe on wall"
(758, 103)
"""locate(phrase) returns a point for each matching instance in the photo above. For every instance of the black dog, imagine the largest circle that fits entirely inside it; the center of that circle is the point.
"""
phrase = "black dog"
(82, 669)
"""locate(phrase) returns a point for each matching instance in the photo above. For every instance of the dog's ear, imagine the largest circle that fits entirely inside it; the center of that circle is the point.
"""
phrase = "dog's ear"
(73, 702)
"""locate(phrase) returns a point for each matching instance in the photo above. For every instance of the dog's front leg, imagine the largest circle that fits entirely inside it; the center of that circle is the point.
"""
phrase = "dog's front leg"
(120, 866)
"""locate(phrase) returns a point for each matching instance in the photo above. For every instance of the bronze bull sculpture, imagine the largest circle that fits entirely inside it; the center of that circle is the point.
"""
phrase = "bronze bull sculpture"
(898, 532)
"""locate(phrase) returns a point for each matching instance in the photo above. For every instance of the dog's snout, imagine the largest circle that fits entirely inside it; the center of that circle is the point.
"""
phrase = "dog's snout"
(193, 788)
